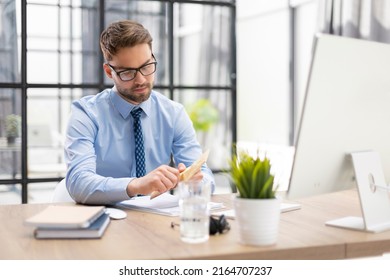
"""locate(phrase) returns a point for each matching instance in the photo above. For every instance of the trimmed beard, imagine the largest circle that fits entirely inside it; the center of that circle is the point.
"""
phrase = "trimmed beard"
(127, 93)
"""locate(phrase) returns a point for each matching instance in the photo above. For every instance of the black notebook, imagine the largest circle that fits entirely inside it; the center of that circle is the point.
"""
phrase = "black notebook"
(95, 230)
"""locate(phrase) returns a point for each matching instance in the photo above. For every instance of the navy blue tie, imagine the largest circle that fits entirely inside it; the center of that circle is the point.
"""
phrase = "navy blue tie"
(139, 143)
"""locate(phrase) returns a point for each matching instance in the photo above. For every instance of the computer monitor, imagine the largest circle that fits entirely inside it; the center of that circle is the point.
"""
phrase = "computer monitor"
(346, 109)
(344, 134)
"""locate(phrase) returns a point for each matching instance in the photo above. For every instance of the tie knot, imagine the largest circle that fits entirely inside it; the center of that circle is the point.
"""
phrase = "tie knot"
(136, 113)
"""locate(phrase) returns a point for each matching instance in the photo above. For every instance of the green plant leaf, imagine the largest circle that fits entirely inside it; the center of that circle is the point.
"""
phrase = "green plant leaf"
(252, 176)
(202, 114)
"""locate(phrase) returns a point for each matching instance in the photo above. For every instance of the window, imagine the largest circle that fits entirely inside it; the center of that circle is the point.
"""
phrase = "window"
(49, 61)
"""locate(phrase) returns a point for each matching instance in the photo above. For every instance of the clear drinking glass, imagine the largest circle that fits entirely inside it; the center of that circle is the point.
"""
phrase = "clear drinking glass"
(194, 211)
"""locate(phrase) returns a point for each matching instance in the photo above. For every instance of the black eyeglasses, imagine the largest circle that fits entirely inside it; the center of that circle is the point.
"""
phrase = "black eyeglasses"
(219, 225)
(130, 73)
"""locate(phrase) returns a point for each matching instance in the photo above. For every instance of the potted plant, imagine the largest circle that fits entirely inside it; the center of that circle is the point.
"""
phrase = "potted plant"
(204, 115)
(256, 205)
(12, 127)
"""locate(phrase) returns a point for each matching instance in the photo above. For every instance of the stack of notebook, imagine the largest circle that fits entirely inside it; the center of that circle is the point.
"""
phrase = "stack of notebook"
(69, 221)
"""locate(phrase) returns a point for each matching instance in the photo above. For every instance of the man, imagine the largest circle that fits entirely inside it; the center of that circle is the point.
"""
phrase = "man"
(101, 144)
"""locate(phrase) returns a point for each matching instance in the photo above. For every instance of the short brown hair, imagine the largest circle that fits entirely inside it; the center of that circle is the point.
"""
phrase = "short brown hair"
(121, 34)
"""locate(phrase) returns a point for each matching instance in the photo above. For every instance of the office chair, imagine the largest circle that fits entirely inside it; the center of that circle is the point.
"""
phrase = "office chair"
(61, 193)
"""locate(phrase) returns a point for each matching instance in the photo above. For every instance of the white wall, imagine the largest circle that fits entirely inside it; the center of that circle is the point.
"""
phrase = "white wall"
(263, 46)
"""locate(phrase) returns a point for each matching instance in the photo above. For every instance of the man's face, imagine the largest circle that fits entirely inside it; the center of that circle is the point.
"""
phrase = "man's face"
(138, 89)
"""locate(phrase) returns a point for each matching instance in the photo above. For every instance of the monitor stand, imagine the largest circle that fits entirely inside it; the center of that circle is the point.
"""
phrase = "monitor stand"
(374, 195)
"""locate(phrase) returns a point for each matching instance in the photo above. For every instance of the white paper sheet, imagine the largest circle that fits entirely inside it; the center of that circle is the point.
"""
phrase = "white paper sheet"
(165, 204)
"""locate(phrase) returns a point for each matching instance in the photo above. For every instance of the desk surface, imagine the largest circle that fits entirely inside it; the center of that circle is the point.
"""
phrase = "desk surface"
(302, 235)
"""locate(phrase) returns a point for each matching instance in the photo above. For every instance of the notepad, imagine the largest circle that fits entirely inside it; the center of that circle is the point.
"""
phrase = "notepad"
(165, 204)
(66, 216)
(95, 230)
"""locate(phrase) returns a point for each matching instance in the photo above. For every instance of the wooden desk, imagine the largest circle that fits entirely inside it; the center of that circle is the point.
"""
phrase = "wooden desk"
(302, 235)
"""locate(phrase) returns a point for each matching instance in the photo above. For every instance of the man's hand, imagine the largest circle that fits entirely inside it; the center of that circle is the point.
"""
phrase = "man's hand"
(197, 176)
(161, 179)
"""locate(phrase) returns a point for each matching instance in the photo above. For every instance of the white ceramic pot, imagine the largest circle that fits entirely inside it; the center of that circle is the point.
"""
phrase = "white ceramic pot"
(257, 220)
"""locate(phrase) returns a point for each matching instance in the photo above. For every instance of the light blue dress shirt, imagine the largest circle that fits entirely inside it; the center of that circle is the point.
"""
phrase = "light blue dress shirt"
(99, 144)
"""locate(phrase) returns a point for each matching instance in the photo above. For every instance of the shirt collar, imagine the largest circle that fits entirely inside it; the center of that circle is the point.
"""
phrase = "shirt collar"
(124, 107)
